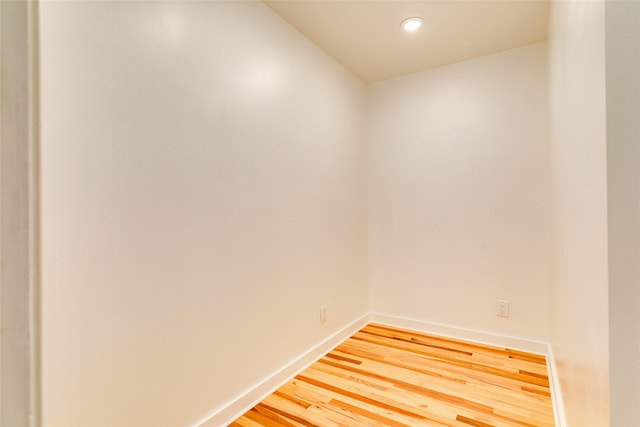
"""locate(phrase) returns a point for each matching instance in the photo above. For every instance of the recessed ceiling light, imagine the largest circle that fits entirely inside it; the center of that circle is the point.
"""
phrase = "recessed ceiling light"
(412, 24)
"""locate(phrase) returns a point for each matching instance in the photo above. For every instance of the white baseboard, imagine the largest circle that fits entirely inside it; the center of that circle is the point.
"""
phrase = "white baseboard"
(235, 408)
(470, 335)
(247, 400)
(556, 392)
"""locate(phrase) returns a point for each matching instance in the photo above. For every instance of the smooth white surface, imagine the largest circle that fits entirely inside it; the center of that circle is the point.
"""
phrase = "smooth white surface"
(366, 37)
(579, 315)
(203, 194)
(458, 194)
(623, 187)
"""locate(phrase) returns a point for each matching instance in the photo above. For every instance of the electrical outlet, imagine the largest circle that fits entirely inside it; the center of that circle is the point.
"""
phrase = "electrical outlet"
(323, 313)
(502, 308)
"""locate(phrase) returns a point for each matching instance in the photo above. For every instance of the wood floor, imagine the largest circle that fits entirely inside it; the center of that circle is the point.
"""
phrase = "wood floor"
(386, 376)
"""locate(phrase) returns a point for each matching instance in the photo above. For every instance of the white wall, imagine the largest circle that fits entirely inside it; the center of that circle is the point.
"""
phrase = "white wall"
(458, 194)
(203, 191)
(623, 189)
(579, 316)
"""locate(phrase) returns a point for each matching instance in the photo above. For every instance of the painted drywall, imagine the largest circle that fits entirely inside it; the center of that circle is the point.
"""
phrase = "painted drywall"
(203, 193)
(458, 194)
(623, 191)
(579, 297)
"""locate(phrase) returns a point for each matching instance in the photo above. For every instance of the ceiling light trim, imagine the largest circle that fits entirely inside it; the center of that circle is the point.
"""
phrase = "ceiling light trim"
(412, 24)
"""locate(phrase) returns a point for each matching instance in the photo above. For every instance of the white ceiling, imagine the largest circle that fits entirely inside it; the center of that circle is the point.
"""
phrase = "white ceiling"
(365, 36)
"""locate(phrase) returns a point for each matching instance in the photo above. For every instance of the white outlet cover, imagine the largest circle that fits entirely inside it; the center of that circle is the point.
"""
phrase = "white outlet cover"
(502, 308)
(323, 313)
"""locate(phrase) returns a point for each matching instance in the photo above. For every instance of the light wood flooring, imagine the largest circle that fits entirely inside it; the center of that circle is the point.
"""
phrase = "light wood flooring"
(386, 376)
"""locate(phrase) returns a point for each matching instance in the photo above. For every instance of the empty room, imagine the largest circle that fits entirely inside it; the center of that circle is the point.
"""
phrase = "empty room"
(320, 213)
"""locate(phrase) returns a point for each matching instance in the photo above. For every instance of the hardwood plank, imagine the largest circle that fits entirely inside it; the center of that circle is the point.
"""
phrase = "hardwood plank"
(441, 366)
(368, 414)
(460, 344)
(473, 422)
(384, 403)
(457, 359)
(394, 377)
(363, 396)
(293, 399)
(286, 408)
(480, 391)
(244, 422)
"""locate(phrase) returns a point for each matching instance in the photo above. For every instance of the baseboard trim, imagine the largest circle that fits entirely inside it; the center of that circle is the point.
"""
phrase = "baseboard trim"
(556, 392)
(251, 397)
(470, 335)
